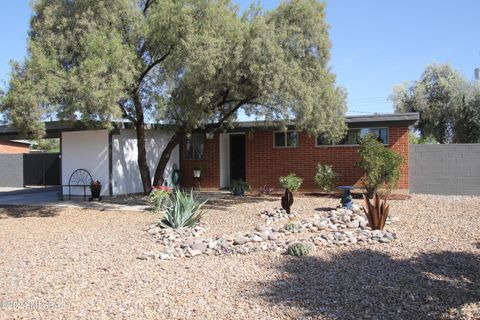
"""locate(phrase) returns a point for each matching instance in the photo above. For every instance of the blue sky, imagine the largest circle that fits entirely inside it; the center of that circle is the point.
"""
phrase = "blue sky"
(376, 43)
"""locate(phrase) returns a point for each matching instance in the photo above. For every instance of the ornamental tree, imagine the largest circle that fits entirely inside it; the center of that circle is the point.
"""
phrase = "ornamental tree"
(193, 64)
(448, 104)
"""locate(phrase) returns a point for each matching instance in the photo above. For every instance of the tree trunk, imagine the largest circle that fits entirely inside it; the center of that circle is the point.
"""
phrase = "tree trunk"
(142, 152)
(165, 157)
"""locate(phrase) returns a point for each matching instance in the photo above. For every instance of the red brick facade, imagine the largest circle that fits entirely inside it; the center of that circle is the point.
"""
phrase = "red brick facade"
(210, 164)
(13, 147)
(265, 164)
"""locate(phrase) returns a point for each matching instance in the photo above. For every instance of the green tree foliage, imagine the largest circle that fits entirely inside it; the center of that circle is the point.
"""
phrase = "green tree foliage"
(414, 138)
(448, 104)
(48, 145)
(191, 63)
(381, 165)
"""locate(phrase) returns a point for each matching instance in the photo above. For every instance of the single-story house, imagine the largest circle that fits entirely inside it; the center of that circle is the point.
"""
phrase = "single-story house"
(251, 151)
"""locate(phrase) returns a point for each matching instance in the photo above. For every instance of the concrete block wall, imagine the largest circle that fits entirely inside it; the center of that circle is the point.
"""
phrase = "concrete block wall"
(11, 170)
(449, 169)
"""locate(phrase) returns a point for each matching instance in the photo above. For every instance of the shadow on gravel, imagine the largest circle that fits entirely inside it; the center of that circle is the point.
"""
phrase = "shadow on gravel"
(218, 201)
(27, 211)
(365, 284)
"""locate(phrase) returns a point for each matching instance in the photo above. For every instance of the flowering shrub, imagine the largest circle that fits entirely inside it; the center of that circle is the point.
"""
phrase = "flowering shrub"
(95, 185)
(160, 197)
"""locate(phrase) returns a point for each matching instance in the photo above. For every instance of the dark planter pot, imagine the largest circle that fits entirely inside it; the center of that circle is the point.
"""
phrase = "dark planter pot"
(96, 193)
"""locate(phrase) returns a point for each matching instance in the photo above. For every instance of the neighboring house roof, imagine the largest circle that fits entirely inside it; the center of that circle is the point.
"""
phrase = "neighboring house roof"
(14, 147)
(26, 142)
(54, 128)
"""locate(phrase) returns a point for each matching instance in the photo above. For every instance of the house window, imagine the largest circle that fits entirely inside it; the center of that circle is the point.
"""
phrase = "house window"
(354, 136)
(194, 147)
(285, 139)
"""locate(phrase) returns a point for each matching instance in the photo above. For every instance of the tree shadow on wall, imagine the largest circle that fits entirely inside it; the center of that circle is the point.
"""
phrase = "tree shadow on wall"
(367, 284)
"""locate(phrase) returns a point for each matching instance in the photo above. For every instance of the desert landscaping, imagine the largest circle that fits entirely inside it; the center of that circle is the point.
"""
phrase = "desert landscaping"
(67, 263)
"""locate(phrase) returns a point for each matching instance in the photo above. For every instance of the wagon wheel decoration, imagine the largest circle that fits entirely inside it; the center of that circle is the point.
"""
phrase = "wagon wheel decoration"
(80, 177)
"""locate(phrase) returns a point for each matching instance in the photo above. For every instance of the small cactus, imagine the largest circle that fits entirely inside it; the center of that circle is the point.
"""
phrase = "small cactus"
(291, 226)
(299, 249)
(287, 200)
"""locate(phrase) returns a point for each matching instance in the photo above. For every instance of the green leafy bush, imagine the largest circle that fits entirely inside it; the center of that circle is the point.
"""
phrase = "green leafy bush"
(291, 182)
(381, 165)
(159, 198)
(325, 177)
(299, 249)
(184, 211)
(239, 187)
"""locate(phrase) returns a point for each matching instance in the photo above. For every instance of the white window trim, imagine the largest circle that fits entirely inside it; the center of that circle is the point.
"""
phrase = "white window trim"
(353, 145)
(285, 147)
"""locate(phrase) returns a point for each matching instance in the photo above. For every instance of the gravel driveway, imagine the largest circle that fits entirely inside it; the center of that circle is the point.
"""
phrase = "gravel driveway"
(64, 263)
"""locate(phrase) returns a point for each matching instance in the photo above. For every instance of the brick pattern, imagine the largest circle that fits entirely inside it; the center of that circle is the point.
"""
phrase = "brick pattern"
(13, 147)
(210, 164)
(265, 164)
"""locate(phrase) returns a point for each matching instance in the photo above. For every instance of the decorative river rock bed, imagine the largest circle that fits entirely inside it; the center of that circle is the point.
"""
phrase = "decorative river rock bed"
(340, 227)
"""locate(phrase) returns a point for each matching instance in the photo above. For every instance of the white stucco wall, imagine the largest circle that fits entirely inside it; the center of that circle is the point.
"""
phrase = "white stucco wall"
(85, 150)
(125, 173)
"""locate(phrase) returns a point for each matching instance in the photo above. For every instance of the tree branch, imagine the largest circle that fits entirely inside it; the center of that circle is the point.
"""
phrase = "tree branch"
(148, 3)
(126, 115)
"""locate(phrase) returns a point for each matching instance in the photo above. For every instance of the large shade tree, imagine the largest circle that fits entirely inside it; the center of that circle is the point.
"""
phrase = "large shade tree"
(193, 64)
(447, 102)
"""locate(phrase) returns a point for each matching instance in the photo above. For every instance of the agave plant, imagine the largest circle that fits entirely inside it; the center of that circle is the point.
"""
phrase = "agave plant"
(376, 212)
(184, 210)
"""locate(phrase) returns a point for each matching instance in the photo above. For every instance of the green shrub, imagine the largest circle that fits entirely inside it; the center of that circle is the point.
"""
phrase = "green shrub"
(159, 198)
(299, 249)
(239, 187)
(184, 210)
(291, 182)
(325, 177)
(381, 165)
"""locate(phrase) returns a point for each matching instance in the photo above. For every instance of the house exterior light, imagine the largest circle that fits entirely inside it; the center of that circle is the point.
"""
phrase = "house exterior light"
(210, 135)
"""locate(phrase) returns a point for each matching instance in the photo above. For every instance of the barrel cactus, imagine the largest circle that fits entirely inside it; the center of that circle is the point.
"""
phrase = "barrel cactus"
(299, 249)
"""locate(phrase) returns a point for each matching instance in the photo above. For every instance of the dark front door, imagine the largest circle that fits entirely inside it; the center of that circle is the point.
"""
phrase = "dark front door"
(237, 157)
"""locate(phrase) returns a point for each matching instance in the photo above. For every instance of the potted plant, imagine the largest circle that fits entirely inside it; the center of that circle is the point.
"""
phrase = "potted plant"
(239, 187)
(95, 188)
(197, 171)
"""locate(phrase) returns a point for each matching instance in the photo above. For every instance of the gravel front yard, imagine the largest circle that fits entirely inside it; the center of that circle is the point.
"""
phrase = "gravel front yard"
(64, 263)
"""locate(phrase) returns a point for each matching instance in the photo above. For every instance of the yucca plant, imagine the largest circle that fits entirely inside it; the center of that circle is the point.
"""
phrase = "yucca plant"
(184, 210)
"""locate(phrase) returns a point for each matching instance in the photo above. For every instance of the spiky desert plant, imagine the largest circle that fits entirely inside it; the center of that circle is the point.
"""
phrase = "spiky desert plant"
(299, 249)
(184, 211)
(287, 200)
(376, 212)
(291, 226)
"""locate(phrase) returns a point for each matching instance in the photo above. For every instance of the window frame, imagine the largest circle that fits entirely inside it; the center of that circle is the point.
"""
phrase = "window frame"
(286, 139)
(353, 145)
(185, 157)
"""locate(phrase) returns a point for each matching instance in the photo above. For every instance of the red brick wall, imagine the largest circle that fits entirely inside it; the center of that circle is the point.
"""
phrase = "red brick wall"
(12, 147)
(265, 164)
(210, 164)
